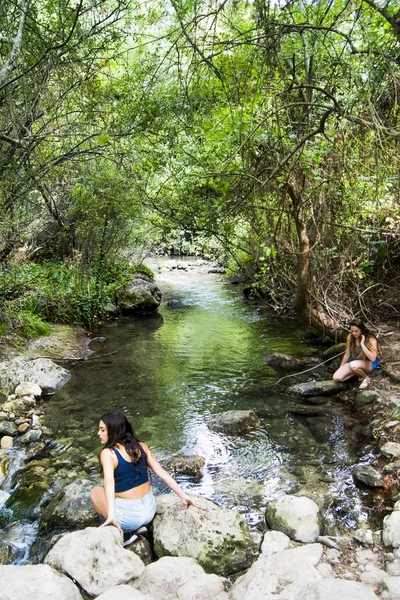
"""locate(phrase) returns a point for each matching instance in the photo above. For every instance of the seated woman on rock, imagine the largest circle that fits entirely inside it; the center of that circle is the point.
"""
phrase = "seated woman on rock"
(361, 355)
(126, 501)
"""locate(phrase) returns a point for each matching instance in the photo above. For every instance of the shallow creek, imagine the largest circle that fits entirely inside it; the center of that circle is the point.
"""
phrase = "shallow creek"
(172, 371)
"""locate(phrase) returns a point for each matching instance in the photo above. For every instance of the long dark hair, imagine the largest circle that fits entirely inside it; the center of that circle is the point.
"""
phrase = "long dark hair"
(365, 332)
(120, 431)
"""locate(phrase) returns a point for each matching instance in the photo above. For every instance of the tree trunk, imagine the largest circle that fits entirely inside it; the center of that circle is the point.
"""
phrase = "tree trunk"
(314, 316)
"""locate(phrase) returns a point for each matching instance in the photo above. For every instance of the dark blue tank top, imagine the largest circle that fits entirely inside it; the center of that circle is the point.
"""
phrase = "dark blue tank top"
(128, 475)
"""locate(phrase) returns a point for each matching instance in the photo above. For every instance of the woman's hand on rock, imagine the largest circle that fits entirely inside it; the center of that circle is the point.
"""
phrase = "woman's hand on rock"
(186, 501)
(111, 521)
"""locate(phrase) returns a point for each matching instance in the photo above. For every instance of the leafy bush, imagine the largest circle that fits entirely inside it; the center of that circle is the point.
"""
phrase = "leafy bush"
(34, 293)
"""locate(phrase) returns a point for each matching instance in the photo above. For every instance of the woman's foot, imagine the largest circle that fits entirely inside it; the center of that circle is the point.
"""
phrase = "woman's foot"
(365, 384)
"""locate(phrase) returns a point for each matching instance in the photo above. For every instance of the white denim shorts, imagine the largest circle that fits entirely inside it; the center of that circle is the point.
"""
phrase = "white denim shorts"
(132, 514)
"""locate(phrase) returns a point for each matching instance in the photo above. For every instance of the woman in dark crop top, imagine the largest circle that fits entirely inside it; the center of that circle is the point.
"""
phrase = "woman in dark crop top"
(126, 499)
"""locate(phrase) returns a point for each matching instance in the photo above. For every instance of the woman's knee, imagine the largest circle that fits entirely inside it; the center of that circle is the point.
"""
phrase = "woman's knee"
(95, 493)
(336, 378)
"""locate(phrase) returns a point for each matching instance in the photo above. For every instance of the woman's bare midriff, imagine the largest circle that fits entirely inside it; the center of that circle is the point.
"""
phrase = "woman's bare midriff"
(134, 493)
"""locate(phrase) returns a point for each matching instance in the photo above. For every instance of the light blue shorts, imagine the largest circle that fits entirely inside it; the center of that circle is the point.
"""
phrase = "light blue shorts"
(132, 514)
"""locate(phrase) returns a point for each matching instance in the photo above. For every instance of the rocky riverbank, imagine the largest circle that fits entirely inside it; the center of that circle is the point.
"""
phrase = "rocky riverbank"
(199, 553)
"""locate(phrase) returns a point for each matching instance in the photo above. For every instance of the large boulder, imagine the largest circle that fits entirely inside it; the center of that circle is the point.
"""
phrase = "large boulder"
(318, 388)
(36, 582)
(271, 575)
(234, 422)
(217, 538)
(70, 508)
(49, 376)
(332, 589)
(170, 578)
(95, 558)
(138, 295)
(296, 516)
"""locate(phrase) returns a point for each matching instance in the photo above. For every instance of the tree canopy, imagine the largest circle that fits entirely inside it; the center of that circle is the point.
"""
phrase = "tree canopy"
(266, 131)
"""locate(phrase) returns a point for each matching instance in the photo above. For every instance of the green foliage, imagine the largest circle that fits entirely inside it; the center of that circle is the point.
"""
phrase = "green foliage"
(37, 293)
(30, 325)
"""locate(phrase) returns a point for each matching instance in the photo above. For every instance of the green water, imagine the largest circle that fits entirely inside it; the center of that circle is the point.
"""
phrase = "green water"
(171, 372)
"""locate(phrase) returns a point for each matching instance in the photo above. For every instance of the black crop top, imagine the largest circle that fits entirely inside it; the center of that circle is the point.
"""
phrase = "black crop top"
(128, 475)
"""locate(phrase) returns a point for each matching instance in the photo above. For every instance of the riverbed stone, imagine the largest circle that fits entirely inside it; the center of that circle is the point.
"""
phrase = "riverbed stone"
(391, 587)
(283, 361)
(332, 589)
(6, 441)
(373, 576)
(235, 422)
(310, 410)
(268, 576)
(368, 475)
(318, 388)
(70, 508)
(49, 376)
(138, 295)
(296, 516)
(321, 427)
(164, 577)
(365, 397)
(187, 464)
(203, 587)
(27, 388)
(35, 582)
(123, 592)
(391, 450)
(274, 541)
(7, 428)
(316, 400)
(217, 538)
(31, 436)
(391, 529)
(95, 558)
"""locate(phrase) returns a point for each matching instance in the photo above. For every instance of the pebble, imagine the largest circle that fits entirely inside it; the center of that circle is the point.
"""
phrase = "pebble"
(6, 441)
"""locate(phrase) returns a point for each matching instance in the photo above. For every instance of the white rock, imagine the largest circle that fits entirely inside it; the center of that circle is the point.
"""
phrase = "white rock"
(364, 536)
(95, 558)
(123, 592)
(6, 441)
(274, 541)
(365, 556)
(202, 588)
(26, 388)
(35, 582)
(269, 576)
(391, 449)
(373, 576)
(392, 586)
(297, 516)
(391, 529)
(164, 577)
(334, 589)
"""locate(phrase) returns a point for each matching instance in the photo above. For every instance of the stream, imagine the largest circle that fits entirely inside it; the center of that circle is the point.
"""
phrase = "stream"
(172, 371)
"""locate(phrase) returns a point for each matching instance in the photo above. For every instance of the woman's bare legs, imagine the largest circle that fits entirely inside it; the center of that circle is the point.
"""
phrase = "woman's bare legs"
(98, 498)
(358, 368)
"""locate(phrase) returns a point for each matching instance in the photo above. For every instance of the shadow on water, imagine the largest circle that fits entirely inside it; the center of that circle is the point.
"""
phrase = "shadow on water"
(172, 371)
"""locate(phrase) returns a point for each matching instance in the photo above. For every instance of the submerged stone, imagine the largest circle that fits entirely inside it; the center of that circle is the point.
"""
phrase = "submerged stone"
(235, 422)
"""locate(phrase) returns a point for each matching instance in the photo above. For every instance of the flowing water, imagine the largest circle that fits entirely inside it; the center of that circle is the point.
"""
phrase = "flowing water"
(172, 371)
